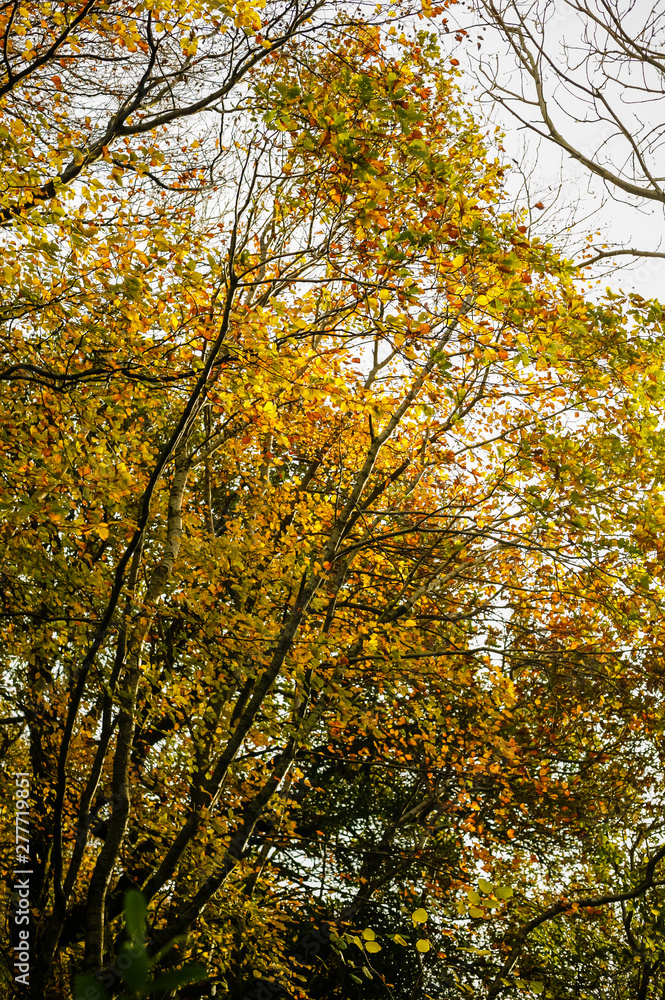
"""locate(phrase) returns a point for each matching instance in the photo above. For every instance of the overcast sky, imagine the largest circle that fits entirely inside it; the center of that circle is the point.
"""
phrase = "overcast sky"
(573, 197)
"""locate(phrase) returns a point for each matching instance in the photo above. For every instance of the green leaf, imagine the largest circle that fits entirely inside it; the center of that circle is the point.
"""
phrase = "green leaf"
(485, 886)
(179, 977)
(136, 973)
(135, 913)
(84, 986)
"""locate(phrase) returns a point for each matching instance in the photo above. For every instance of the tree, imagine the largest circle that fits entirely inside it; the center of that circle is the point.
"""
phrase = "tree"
(586, 76)
(316, 607)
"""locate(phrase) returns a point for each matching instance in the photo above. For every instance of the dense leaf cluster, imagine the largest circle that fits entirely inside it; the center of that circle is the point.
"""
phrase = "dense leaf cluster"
(330, 600)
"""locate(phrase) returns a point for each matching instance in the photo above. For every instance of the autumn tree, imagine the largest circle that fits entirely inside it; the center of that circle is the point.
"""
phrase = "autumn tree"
(332, 515)
(585, 76)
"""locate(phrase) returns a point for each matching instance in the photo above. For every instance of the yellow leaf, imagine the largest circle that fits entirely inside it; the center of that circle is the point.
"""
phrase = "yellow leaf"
(419, 916)
(423, 945)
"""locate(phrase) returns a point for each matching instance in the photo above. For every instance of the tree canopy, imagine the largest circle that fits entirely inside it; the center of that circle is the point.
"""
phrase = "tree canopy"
(332, 511)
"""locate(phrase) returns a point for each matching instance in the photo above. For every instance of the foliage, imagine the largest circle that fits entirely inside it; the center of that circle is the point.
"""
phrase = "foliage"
(332, 527)
(134, 964)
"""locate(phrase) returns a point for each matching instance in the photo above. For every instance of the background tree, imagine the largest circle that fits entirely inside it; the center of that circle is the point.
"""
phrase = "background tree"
(588, 77)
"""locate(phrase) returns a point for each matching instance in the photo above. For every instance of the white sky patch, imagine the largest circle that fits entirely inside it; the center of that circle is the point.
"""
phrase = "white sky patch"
(576, 202)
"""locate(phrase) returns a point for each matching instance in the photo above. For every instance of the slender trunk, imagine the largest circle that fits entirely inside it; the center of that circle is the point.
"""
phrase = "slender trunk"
(117, 827)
